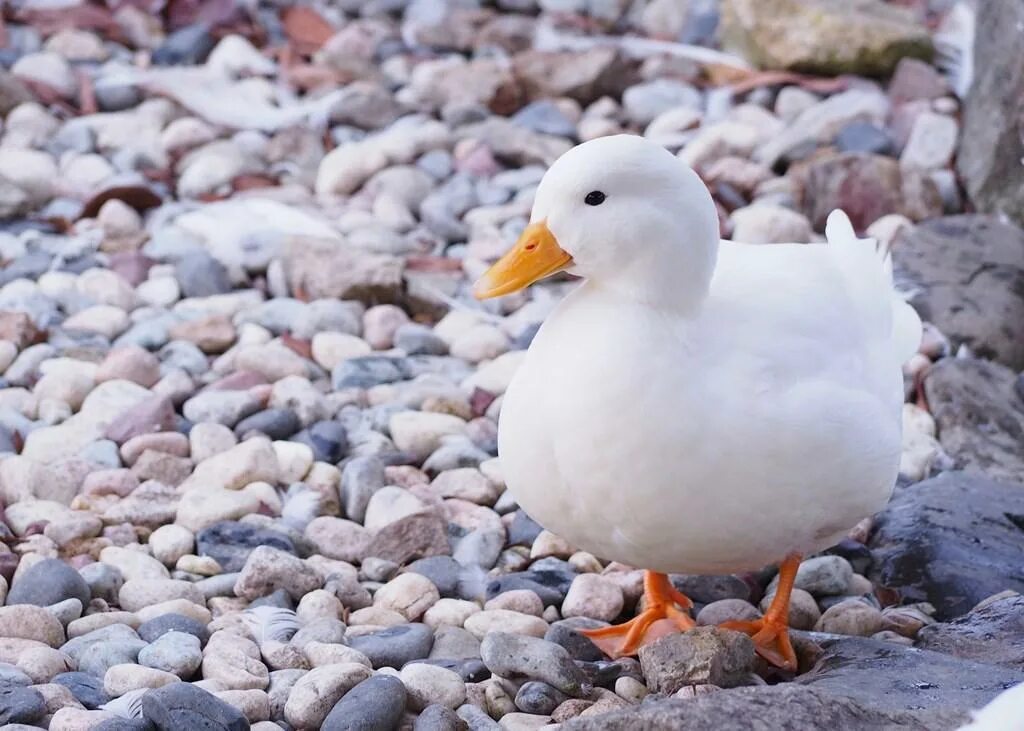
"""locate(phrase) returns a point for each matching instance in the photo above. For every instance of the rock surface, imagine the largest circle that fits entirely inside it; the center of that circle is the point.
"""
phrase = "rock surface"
(951, 541)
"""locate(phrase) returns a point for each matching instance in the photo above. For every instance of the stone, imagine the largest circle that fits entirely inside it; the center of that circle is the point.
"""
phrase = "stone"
(516, 656)
(992, 142)
(584, 76)
(184, 705)
(864, 185)
(21, 705)
(875, 673)
(932, 142)
(31, 622)
(850, 617)
(428, 684)
(763, 223)
(377, 702)
(395, 646)
(130, 363)
(968, 276)
(419, 535)
(727, 610)
(136, 595)
(990, 633)
(173, 652)
(151, 630)
(199, 509)
(786, 706)
(254, 460)
(950, 541)
(268, 569)
(314, 695)
(124, 678)
(337, 538)
(87, 689)
(149, 415)
(231, 542)
(408, 594)
(824, 37)
(594, 596)
(48, 582)
(323, 269)
(420, 433)
(436, 717)
(701, 655)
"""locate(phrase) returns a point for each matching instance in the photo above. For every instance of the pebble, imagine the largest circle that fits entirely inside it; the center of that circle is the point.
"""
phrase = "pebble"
(427, 684)
(594, 596)
(173, 652)
(314, 694)
(377, 702)
(850, 617)
(121, 679)
(512, 655)
(699, 656)
(184, 705)
(496, 620)
(48, 582)
(408, 594)
(395, 646)
(20, 705)
(268, 569)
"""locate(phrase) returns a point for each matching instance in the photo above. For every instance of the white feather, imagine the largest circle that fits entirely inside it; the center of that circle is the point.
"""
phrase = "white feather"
(270, 624)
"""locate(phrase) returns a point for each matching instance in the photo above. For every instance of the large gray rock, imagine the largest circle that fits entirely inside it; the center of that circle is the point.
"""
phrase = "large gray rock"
(968, 273)
(785, 707)
(827, 37)
(952, 540)
(890, 677)
(980, 415)
(991, 633)
(992, 143)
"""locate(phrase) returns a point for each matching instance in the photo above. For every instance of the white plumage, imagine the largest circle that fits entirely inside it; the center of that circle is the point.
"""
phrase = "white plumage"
(697, 405)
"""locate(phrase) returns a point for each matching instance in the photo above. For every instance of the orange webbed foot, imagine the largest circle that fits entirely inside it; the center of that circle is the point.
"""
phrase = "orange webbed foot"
(771, 640)
(665, 613)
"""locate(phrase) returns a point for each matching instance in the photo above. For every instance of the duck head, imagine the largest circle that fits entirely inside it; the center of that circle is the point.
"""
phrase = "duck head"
(623, 213)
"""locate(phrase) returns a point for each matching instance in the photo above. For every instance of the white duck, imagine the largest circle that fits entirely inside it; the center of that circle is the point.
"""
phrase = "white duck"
(696, 405)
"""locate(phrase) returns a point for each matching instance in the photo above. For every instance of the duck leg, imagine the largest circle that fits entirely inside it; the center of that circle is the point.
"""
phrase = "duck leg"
(665, 612)
(770, 633)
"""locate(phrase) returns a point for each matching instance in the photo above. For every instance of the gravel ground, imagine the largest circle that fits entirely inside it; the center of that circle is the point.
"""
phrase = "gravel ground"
(248, 416)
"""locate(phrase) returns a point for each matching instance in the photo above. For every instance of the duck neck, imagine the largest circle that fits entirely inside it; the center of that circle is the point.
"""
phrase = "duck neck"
(676, 280)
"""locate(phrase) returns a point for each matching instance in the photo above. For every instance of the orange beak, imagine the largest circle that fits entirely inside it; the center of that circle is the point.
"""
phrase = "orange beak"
(535, 255)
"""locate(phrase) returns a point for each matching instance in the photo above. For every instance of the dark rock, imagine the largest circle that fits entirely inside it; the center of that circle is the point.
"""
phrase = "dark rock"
(523, 530)
(360, 479)
(87, 689)
(151, 629)
(104, 581)
(979, 414)
(436, 717)
(993, 633)
(185, 706)
(865, 137)
(48, 582)
(699, 656)
(20, 705)
(416, 339)
(550, 586)
(604, 673)
(369, 371)
(952, 540)
(582, 75)
(855, 552)
(395, 646)
(376, 703)
(565, 633)
(274, 423)
(784, 707)
(891, 677)
(540, 698)
(476, 719)
(707, 589)
(325, 269)
(327, 439)
(443, 572)
(415, 536)
(230, 542)
(278, 598)
(968, 277)
(992, 140)
(186, 46)
(200, 275)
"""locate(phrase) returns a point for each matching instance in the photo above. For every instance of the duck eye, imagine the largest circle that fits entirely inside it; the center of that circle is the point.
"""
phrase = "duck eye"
(594, 198)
